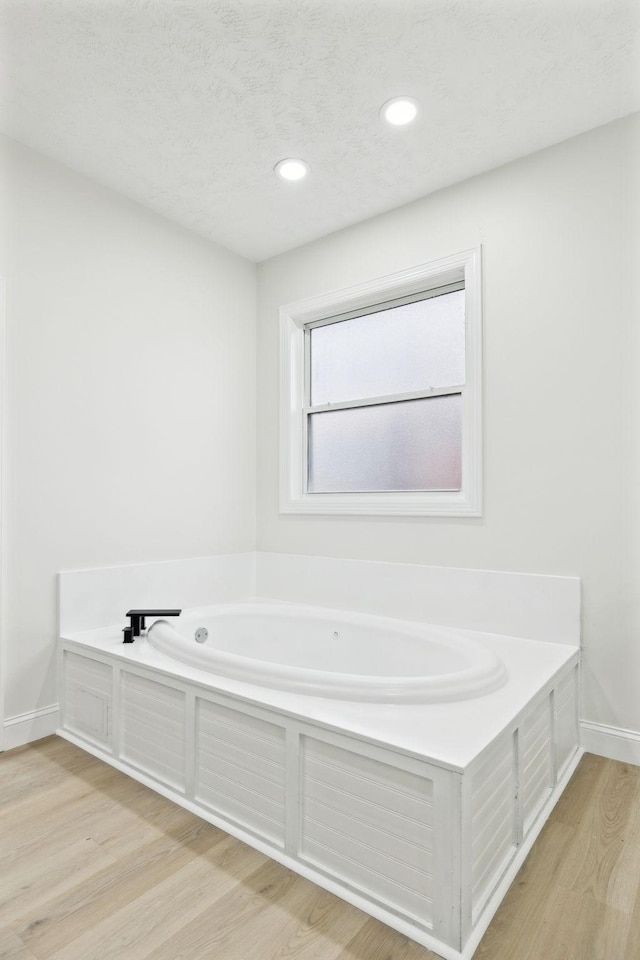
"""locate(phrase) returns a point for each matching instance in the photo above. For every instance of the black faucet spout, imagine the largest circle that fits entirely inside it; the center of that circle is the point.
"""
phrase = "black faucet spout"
(138, 621)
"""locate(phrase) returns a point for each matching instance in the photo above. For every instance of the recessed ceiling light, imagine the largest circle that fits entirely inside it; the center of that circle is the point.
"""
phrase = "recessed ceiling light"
(291, 169)
(400, 110)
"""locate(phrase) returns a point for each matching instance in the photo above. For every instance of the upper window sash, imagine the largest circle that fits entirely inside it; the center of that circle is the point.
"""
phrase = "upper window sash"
(373, 309)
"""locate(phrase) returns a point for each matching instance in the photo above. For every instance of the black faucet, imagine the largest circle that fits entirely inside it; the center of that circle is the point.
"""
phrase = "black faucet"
(138, 621)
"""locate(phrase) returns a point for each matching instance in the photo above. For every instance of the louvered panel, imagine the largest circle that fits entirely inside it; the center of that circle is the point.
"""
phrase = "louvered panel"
(495, 771)
(405, 793)
(536, 785)
(256, 742)
(155, 750)
(566, 721)
(377, 844)
(89, 673)
(536, 776)
(409, 852)
(565, 690)
(359, 764)
(250, 809)
(415, 903)
(497, 812)
(143, 725)
(237, 774)
(399, 824)
(491, 864)
(381, 865)
(152, 732)
(87, 697)
(240, 769)
(494, 767)
(227, 753)
(148, 700)
(535, 731)
(493, 817)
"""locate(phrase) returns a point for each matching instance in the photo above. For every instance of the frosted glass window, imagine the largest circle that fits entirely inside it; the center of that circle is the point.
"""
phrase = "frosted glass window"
(407, 445)
(381, 395)
(413, 347)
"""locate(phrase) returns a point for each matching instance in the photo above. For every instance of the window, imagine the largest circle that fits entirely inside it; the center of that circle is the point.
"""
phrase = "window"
(380, 404)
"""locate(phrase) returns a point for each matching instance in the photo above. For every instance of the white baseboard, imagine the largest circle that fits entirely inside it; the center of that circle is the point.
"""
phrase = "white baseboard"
(615, 743)
(27, 727)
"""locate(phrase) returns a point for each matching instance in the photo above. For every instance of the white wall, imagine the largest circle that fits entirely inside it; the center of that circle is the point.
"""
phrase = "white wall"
(130, 403)
(561, 245)
(121, 326)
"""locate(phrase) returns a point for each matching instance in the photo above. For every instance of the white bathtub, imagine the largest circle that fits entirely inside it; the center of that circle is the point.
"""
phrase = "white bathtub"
(406, 768)
(329, 653)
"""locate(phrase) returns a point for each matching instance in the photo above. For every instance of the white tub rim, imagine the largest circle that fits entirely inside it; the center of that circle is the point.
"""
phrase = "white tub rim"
(485, 673)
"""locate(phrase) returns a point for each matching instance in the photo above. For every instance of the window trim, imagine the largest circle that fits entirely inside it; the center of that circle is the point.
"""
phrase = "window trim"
(295, 317)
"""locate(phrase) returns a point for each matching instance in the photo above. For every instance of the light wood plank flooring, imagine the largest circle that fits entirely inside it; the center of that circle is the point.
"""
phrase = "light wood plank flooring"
(94, 866)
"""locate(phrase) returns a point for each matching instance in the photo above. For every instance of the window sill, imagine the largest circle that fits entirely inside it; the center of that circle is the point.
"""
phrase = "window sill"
(401, 504)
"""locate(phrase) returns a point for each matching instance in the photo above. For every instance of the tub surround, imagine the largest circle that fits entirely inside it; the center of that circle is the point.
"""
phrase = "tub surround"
(450, 733)
(420, 814)
(532, 622)
(101, 596)
(531, 606)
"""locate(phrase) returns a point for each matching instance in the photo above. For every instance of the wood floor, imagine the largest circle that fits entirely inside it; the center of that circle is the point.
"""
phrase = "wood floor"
(94, 866)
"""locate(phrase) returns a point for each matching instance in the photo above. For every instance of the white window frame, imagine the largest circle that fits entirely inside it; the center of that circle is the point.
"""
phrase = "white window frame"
(294, 320)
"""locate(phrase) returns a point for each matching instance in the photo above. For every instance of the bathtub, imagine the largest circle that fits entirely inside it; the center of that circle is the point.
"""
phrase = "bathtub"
(331, 653)
(406, 768)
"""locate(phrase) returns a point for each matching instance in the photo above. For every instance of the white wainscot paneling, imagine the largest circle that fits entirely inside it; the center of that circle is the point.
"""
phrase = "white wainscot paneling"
(566, 719)
(493, 827)
(152, 728)
(428, 849)
(240, 769)
(87, 697)
(370, 824)
(537, 768)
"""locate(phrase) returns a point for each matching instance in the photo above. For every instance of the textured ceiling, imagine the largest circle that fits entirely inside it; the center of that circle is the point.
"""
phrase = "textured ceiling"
(186, 105)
